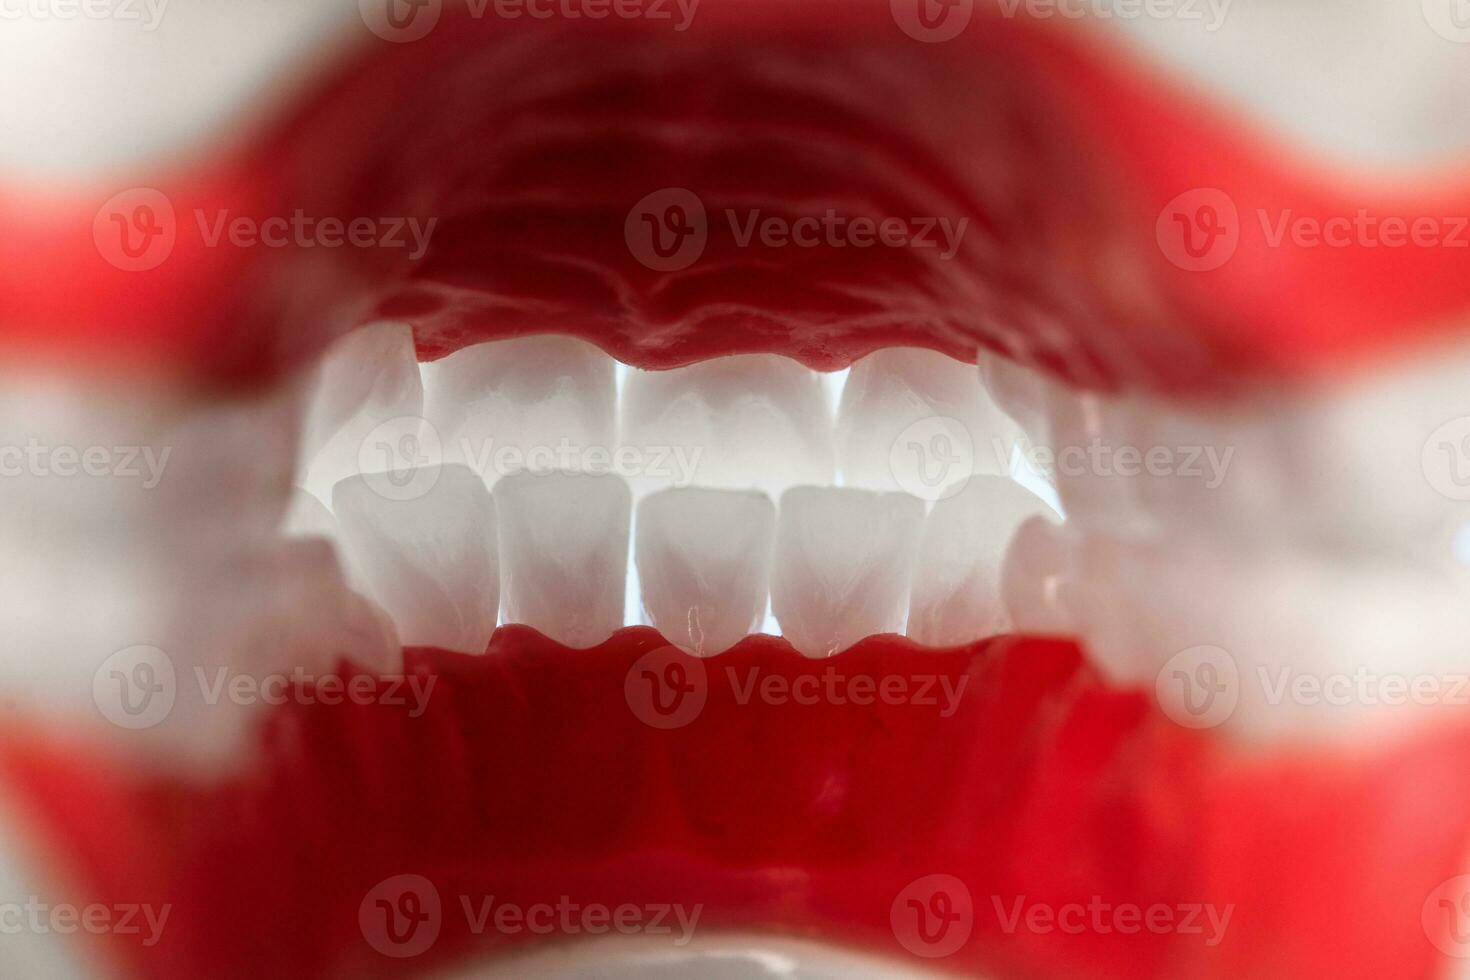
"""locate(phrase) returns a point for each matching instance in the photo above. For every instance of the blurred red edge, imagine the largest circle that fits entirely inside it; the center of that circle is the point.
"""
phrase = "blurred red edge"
(1062, 153)
(532, 776)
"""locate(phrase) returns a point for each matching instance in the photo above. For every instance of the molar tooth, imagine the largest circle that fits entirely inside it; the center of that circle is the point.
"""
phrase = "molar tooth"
(431, 561)
(1277, 616)
(1226, 465)
(919, 421)
(1036, 577)
(1380, 460)
(703, 563)
(956, 596)
(564, 551)
(842, 566)
(368, 377)
(751, 421)
(537, 403)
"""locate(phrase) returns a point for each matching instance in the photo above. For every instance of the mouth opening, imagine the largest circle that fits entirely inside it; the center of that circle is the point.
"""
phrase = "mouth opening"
(808, 324)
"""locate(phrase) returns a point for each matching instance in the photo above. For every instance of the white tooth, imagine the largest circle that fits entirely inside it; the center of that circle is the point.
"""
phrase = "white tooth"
(956, 595)
(172, 544)
(1367, 463)
(564, 551)
(92, 460)
(752, 421)
(1088, 431)
(1221, 460)
(842, 565)
(1036, 576)
(1021, 392)
(918, 421)
(1382, 460)
(308, 517)
(368, 378)
(704, 559)
(1285, 620)
(430, 560)
(538, 403)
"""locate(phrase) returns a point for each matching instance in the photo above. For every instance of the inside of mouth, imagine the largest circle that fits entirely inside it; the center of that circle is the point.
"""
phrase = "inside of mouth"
(537, 481)
(538, 441)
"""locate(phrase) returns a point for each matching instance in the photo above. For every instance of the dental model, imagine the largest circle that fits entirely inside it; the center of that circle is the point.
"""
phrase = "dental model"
(734, 488)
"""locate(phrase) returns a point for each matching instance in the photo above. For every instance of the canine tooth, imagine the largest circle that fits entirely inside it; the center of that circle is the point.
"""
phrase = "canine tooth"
(1021, 392)
(1035, 577)
(431, 561)
(956, 595)
(751, 421)
(843, 562)
(538, 403)
(369, 377)
(564, 553)
(918, 421)
(703, 561)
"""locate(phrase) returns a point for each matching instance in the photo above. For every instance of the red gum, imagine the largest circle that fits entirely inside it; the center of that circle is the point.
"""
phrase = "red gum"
(529, 778)
(1060, 153)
